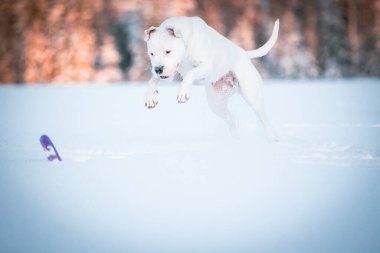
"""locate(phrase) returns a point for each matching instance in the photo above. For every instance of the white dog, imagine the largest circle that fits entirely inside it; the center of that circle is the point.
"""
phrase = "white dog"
(189, 47)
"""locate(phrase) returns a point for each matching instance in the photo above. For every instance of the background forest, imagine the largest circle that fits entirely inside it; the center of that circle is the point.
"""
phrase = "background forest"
(43, 41)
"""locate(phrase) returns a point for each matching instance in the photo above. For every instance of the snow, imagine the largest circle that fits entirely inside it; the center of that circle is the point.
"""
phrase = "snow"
(172, 179)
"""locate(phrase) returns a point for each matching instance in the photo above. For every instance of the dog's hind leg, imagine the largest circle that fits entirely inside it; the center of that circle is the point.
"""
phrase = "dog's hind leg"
(251, 90)
(218, 94)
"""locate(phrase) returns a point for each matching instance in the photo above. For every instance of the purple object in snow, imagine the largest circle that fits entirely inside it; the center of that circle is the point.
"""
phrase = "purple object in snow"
(48, 146)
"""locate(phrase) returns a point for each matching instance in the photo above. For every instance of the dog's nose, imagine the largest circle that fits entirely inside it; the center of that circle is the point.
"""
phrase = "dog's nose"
(159, 69)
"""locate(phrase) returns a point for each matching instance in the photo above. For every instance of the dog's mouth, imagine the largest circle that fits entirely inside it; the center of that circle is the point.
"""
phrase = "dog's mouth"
(164, 77)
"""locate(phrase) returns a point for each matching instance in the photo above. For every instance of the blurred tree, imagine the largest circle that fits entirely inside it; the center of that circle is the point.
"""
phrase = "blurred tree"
(120, 32)
(209, 10)
(334, 54)
(293, 57)
(11, 44)
(369, 32)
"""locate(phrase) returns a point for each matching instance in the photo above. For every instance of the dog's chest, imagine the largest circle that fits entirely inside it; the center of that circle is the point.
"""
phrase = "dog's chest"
(185, 66)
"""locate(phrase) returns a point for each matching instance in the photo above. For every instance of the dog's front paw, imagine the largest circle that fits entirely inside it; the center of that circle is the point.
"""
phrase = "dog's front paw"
(183, 95)
(151, 99)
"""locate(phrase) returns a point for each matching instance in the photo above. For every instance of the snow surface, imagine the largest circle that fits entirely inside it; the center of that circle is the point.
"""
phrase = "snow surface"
(172, 179)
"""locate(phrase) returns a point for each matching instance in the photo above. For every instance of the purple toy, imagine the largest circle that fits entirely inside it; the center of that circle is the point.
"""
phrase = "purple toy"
(48, 146)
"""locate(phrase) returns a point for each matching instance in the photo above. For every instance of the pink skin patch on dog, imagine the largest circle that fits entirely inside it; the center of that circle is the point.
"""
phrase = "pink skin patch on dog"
(226, 84)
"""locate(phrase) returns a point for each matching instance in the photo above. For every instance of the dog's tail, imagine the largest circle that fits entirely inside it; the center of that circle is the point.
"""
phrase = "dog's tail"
(261, 51)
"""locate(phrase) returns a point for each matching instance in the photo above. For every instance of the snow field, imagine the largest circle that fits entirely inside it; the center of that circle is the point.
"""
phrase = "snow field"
(172, 179)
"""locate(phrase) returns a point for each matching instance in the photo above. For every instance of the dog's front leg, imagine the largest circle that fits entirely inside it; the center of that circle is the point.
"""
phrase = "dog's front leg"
(197, 73)
(151, 99)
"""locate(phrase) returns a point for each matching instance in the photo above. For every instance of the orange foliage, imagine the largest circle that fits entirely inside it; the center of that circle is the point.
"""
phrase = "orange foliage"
(63, 41)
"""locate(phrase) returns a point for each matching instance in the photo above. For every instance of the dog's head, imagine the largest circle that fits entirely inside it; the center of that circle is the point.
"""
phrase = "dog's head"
(166, 49)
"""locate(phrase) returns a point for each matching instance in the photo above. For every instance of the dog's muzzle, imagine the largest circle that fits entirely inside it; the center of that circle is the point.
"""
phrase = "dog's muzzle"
(159, 70)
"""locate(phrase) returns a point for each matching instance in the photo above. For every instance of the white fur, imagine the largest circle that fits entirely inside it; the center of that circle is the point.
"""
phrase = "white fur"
(188, 46)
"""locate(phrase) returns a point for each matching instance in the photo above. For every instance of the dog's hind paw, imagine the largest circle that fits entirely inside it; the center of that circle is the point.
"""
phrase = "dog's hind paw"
(271, 136)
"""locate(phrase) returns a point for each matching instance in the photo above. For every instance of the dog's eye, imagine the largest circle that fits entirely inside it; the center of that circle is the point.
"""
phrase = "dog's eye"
(151, 54)
(168, 51)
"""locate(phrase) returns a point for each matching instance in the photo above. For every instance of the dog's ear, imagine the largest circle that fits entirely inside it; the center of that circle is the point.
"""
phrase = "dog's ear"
(149, 31)
(174, 31)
